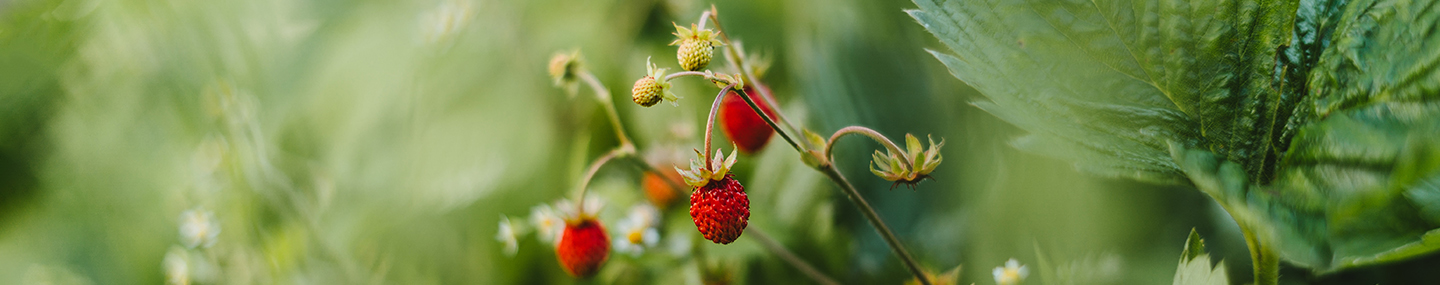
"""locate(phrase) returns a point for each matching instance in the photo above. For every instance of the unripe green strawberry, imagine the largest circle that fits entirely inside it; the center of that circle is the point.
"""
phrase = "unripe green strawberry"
(583, 247)
(646, 92)
(741, 124)
(652, 88)
(721, 210)
(697, 47)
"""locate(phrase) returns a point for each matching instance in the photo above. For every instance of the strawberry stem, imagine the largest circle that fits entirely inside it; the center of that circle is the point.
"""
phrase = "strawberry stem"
(872, 134)
(790, 257)
(875, 221)
(685, 73)
(769, 121)
(603, 95)
(710, 122)
(850, 192)
(589, 174)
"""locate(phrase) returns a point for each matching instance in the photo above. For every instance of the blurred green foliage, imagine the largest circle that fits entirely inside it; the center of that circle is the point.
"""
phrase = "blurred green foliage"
(381, 141)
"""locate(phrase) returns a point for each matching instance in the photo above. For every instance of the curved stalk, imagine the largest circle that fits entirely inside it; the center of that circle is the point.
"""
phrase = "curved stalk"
(603, 95)
(858, 130)
(590, 173)
(790, 257)
(684, 73)
(710, 122)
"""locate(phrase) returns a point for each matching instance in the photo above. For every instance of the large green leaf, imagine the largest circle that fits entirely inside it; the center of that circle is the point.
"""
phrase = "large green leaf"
(1314, 121)
(1105, 84)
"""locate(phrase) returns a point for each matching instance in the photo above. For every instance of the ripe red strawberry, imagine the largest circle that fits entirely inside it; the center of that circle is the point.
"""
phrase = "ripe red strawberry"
(583, 247)
(740, 123)
(721, 209)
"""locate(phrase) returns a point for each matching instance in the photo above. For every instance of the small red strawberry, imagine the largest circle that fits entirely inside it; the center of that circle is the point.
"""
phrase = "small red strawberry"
(719, 206)
(583, 247)
(741, 124)
(721, 209)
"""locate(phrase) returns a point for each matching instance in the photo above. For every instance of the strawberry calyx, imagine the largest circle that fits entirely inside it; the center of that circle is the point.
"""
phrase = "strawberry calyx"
(914, 166)
(701, 172)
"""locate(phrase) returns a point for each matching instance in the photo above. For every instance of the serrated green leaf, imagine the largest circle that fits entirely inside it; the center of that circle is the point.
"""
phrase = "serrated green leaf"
(1105, 84)
(1312, 121)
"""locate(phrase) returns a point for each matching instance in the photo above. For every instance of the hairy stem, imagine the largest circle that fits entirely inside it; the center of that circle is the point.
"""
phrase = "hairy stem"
(875, 221)
(603, 95)
(858, 130)
(790, 257)
(770, 121)
(1266, 261)
(684, 73)
(710, 123)
(590, 173)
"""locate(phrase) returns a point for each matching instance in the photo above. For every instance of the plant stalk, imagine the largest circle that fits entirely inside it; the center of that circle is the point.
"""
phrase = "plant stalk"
(875, 221)
(603, 95)
(872, 134)
(590, 173)
(768, 120)
(790, 257)
(1263, 257)
(855, 198)
(710, 123)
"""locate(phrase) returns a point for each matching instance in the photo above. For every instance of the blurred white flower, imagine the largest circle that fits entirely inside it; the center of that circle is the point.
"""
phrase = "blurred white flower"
(566, 207)
(637, 231)
(506, 234)
(198, 228)
(177, 267)
(548, 224)
(1013, 273)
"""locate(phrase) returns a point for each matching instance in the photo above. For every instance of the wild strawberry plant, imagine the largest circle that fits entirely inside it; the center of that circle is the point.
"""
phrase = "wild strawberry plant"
(719, 205)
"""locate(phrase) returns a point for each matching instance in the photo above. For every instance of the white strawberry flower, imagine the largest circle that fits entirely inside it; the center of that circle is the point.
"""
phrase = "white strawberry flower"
(1012, 273)
(198, 228)
(548, 224)
(637, 231)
